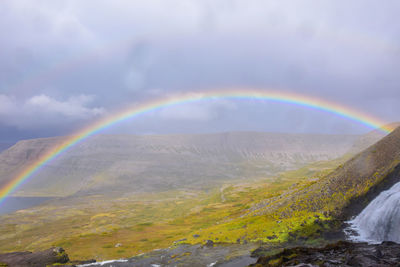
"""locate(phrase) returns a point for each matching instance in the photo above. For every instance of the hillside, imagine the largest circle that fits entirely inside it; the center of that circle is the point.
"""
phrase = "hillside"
(129, 163)
(317, 204)
(291, 208)
(352, 185)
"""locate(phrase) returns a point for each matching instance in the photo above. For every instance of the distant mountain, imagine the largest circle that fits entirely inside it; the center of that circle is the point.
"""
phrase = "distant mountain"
(132, 163)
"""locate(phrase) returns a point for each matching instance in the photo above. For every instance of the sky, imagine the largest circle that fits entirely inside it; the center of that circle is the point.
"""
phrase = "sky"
(66, 64)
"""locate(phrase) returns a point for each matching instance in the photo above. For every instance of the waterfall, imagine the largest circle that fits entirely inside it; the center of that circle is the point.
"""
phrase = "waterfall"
(380, 220)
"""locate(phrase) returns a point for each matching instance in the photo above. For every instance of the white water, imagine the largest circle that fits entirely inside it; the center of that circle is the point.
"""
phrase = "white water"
(101, 263)
(380, 220)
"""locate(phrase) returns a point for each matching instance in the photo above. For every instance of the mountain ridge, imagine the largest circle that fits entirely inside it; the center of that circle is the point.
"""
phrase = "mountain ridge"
(153, 162)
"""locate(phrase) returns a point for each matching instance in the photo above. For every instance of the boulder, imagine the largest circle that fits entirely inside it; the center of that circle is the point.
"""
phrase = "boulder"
(50, 256)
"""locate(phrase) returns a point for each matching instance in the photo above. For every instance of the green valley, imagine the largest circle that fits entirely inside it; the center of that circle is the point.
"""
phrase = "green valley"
(106, 228)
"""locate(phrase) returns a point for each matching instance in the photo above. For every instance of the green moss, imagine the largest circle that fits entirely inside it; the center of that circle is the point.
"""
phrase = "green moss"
(276, 262)
(145, 224)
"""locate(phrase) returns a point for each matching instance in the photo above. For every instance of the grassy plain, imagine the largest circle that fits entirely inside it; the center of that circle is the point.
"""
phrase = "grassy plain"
(107, 228)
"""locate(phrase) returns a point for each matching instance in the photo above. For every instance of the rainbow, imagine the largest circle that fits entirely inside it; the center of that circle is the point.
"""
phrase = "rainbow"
(257, 94)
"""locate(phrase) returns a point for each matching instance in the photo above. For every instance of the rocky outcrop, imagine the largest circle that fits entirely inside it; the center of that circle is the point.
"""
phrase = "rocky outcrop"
(341, 253)
(34, 259)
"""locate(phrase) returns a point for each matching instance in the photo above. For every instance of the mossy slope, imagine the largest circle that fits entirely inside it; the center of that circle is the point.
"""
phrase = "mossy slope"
(351, 183)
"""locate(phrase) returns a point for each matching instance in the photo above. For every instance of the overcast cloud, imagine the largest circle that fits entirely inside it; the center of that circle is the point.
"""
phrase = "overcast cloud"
(44, 111)
(64, 64)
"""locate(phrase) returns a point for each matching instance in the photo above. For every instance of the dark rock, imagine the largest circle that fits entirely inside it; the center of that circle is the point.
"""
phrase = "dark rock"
(341, 253)
(209, 243)
(35, 259)
(303, 238)
(292, 235)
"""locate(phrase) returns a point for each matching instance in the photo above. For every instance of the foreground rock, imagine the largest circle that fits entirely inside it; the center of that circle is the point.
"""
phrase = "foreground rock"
(209, 254)
(34, 259)
(341, 253)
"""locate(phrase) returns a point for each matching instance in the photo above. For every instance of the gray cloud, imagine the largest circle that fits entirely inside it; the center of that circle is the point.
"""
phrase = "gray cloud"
(125, 52)
(197, 111)
(42, 110)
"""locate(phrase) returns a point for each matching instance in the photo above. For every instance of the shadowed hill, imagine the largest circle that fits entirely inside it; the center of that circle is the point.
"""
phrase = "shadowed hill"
(129, 163)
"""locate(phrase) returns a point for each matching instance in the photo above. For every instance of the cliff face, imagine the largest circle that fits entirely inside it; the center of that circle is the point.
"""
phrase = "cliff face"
(131, 163)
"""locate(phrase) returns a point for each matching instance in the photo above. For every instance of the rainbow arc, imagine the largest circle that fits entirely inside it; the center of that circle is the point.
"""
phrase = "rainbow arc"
(137, 110)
